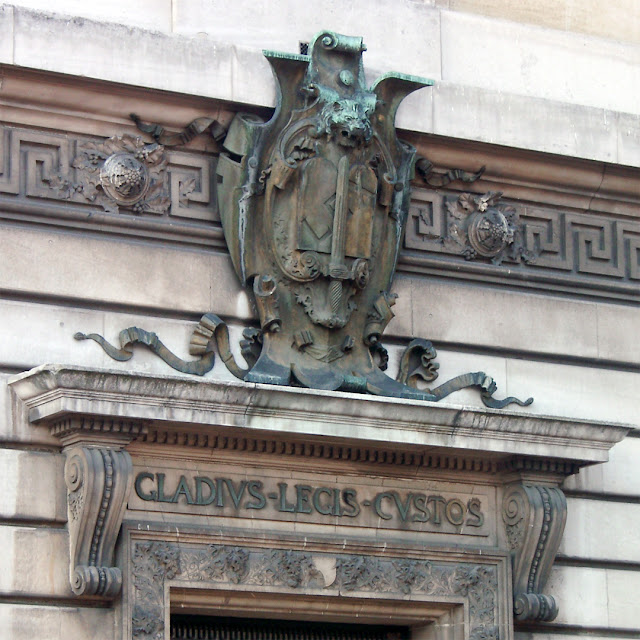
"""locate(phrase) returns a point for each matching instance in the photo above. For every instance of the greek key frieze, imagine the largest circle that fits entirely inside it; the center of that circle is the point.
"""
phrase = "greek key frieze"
(564, 248)
(123, 174)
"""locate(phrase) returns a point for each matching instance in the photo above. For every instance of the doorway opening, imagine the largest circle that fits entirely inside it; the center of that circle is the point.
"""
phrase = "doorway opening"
(212, 614)
(195, 627)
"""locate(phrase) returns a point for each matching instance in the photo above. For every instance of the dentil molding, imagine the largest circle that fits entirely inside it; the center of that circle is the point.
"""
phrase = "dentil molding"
(96, 413)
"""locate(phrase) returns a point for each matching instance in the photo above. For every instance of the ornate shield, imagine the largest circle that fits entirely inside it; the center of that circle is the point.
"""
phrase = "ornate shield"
(313, 205)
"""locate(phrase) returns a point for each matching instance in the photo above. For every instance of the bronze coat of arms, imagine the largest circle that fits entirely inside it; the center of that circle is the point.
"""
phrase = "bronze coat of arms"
(313, 206)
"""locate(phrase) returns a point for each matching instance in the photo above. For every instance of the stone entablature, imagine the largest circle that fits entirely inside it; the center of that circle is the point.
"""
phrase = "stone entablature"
(577, 233)
(228, 487)
(77, 402)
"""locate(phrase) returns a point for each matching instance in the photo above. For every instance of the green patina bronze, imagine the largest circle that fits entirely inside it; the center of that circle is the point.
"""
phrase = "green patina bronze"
(313, 205)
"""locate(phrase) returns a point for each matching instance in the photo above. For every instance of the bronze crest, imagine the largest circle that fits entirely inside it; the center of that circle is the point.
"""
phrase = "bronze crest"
(313, 205)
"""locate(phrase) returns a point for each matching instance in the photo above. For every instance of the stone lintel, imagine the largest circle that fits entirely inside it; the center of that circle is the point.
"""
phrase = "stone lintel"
(56, 394)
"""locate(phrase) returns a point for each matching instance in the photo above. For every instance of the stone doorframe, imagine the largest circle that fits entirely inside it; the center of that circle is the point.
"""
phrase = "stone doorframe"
(440, 595)
(100, 417)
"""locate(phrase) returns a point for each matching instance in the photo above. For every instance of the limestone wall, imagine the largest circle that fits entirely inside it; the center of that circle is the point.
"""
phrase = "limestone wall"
(523, 89)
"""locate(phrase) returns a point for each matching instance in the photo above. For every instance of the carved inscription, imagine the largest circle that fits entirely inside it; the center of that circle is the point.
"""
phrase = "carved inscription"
(362, 505)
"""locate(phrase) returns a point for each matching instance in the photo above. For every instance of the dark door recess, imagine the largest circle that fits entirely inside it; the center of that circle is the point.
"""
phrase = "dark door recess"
(190, 627)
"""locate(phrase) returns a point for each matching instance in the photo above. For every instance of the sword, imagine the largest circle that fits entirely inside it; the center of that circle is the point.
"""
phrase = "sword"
(337, 268)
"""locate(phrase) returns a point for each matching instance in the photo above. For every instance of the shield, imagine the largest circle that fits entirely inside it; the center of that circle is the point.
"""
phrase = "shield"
(313, 205)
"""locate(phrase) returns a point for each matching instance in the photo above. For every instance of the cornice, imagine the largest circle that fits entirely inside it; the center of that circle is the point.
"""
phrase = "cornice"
(187, 412)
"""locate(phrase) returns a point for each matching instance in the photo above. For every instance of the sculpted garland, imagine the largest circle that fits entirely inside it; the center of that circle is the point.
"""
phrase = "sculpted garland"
(313, 206)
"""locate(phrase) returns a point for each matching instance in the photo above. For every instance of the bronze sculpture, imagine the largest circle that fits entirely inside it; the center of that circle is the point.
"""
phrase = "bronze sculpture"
(313, 206)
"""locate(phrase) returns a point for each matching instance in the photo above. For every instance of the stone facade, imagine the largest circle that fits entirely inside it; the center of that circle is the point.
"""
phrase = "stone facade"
(132, 490)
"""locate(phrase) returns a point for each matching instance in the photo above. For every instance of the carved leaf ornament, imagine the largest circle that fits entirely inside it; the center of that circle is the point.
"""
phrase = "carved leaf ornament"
(155, 562)
(121, 172)
(313, 205)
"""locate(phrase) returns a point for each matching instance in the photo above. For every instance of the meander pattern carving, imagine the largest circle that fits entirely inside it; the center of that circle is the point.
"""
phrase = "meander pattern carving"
(122, 174)
(560, 246)
(155, 562)
(565, 248)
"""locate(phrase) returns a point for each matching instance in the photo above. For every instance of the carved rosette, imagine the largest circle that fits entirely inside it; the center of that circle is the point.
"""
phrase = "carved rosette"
(98, 483)
(479, 226)
(154, 562)
(534, 518)
(123, 172)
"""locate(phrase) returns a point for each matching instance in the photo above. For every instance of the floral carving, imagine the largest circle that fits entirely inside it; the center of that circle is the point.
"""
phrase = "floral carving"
(410, 573)
(479, 226)
(231, 563)
(75, 501)
(289, 568)
(154, 562)
(361, 573)
(121, 172)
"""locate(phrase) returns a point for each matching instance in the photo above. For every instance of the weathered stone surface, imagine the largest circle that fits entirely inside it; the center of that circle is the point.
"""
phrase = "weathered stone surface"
(193, 282)
(539, 62)
(33, 332)
(628, 139)
(302, 412)
(597, 598)
(37, 333)
(574, 390)
(620, 21)
(25, 622)
(95, 50)
(622, 598)
(620, 475)
(14, 426)
(615, 322)
(33, 486)
(589, 527)
(472, 112)
(402, 27)
(154, 15)
(533, 322)
(231, 72)
(6, 29)
(182, 281)
(34, 562)
(581, 590)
